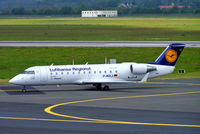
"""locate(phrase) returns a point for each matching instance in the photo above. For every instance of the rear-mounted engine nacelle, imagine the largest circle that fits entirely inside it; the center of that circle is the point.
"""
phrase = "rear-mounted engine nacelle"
(141, 69)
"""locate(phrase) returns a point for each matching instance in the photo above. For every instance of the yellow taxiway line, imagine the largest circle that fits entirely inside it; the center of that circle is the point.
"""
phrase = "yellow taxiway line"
(49, 110)
(159, 83)
(40, 119)
(104, 122)
(167, 83)
(89, 120)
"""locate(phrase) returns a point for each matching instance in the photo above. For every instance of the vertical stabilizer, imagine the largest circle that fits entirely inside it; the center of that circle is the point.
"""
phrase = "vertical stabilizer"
(170, 55)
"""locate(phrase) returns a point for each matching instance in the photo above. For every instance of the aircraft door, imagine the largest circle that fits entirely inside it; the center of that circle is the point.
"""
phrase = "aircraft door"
(43, 74)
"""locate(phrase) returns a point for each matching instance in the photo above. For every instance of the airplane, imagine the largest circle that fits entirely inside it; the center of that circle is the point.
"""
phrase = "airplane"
(100, 75)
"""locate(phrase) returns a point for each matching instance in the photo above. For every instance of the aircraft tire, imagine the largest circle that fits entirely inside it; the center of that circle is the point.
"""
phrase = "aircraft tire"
(98, 86)
(106, 87)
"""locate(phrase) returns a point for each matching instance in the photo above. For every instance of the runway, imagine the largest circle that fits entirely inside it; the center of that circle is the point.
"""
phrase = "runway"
(169, 107)
(193, 44)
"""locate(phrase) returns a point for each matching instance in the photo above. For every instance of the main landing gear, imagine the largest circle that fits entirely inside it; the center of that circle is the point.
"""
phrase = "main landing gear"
(99, 87)
(106, 87)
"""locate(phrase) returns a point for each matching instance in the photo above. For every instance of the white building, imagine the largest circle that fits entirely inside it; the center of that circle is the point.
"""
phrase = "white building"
(97, 13)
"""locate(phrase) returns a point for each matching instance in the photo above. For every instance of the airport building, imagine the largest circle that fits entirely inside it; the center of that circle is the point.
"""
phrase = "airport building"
(98, 13)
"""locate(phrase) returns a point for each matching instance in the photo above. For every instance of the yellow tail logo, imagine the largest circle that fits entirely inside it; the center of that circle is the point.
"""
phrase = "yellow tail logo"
(171, 55)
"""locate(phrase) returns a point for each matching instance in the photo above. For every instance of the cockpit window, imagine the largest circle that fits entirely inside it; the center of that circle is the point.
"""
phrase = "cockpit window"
(28, 72)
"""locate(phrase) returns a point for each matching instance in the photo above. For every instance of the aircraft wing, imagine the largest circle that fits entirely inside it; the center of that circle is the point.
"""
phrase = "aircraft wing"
(110, 81)
(105, 82)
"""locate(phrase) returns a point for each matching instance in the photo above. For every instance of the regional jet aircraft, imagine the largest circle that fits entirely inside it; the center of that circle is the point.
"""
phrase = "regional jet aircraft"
(100, 75)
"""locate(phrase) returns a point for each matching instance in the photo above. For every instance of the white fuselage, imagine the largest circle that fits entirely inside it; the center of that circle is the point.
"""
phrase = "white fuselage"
(87, 74)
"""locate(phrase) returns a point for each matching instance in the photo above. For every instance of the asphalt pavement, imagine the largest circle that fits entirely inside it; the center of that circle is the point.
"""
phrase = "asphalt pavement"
(193, 44)
(167, 107)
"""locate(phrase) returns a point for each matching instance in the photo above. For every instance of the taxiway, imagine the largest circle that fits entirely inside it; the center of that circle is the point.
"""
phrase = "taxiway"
(170, 106)
(193, 44)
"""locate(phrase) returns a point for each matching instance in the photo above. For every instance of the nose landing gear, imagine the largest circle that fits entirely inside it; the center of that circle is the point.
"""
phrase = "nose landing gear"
(24, 89)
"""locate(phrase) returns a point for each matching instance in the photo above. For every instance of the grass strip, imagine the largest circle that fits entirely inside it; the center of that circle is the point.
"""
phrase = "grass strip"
(99, 29)
(14, 60)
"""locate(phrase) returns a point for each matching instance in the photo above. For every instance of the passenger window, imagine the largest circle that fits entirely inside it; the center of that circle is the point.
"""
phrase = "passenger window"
(62, 73)
(94, 72)
(99, 71)
(67, 73)
(56, 73)
(110, 71)
(115, 71)
(105, 72)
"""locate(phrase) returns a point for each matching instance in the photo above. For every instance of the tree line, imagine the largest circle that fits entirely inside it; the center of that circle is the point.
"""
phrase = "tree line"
(67, 10)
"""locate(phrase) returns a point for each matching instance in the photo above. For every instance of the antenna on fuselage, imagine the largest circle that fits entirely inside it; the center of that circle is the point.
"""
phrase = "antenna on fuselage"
(52, 64)
(72, 60)
(105, 58)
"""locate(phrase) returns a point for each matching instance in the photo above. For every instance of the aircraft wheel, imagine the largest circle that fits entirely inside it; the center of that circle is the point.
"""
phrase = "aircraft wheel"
(98, 86)
(106, 87)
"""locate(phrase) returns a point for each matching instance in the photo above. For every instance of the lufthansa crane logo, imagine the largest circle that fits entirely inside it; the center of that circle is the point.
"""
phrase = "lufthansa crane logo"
(171, 55)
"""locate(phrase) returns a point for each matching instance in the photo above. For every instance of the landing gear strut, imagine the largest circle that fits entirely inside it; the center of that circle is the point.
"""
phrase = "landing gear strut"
(24, 89)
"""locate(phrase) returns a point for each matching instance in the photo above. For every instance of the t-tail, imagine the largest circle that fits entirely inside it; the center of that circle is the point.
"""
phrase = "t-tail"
(170, 55)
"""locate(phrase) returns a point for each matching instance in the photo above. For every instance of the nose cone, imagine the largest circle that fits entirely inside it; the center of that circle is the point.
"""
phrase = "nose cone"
(16, 80)
(13, 81)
